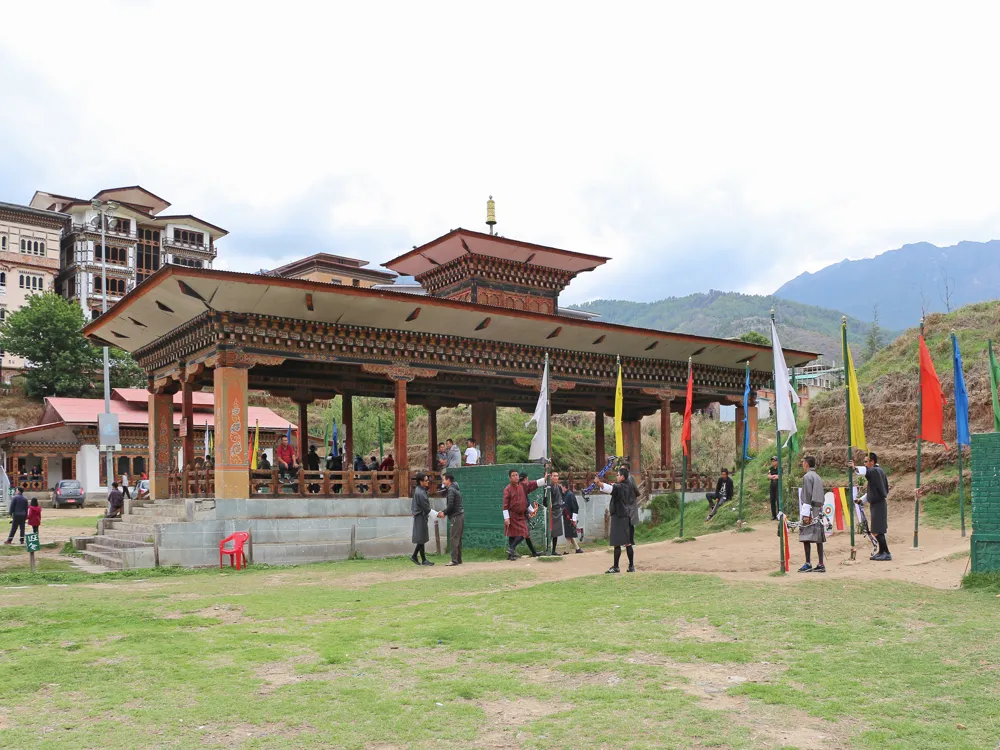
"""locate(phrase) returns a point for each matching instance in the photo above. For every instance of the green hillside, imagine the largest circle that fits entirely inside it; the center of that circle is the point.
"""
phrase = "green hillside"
(729, 314)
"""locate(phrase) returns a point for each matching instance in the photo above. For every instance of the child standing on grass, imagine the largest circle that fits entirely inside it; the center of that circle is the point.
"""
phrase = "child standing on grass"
(34, 515)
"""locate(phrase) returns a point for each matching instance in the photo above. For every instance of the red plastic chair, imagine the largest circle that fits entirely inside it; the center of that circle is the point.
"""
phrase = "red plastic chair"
(236, 554)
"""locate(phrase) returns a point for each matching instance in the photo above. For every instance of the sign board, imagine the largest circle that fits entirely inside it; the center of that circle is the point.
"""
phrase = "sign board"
(31, 542)
(183, 427)
(107, 425)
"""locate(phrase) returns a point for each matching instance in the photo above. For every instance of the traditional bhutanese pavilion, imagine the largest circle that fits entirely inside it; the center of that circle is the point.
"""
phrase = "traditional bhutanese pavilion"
(478, 336)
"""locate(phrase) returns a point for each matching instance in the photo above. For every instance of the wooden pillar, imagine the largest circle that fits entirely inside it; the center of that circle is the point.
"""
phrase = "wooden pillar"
(232, 479)
(400, 438)
(752, 424)
(161, 444)
(600, 452)
(432, 438)
(347, 415)
(632, 435)
(665, 460)
(484, 430)
(303, 430)
(187, 414)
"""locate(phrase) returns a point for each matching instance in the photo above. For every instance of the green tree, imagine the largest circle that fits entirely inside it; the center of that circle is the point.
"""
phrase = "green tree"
(874, 340)
(47, 332)
(754, 337)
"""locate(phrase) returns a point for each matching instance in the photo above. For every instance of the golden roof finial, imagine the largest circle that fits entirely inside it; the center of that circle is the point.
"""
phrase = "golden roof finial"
(491, 213)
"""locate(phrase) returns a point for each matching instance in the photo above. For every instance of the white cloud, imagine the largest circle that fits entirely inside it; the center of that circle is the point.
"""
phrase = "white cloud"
(741, 142)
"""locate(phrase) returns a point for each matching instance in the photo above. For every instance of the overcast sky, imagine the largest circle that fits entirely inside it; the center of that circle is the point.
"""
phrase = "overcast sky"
(700, 145)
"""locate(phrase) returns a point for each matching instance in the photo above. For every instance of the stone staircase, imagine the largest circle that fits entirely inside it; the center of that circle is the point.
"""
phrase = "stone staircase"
(127, 542)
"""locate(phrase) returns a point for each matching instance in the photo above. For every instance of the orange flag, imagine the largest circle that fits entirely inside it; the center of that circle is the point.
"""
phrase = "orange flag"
(686, 431)
(931, 398)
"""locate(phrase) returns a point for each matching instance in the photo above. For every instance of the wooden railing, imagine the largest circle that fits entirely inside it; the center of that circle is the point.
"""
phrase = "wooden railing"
(200, 482)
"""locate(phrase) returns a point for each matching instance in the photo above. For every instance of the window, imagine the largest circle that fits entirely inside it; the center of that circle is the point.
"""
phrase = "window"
(3, 242)
(355, 282)
(147, 256)
(3, 314)
(32, 247)
(71, 287)
(3, 278)
(115, 286)
(24, 244)
(188, 262)
(117, 255)
(31, 281)
(336, 281)
(190, 238)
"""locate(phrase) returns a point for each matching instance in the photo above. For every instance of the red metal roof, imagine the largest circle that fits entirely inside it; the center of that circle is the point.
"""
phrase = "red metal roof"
(141, 396)
(85, 411)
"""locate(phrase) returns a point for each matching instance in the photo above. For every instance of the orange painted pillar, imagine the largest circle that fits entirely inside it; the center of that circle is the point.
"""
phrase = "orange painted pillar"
(161, 444)
(232, 478)
(632, 435)
(752, 425)
(187, 414)
(400, 438)
(739, 430)
(484, 430)
(665, 460)
(600, 452)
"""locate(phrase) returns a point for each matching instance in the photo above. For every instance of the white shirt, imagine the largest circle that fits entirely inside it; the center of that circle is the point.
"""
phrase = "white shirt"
(471, 456)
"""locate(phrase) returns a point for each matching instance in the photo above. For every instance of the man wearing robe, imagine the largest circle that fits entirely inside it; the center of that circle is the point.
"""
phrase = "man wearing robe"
(571, 510)
(623, 510)
(812, 529)
(516, 511)
(420, 508)
(556, 506)
(878, 491)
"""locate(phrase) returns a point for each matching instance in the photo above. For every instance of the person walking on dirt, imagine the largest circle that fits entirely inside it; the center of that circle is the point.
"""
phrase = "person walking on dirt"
(775, 479)
(18, 510)
(876, 497)
(811, 529)
(723, 493)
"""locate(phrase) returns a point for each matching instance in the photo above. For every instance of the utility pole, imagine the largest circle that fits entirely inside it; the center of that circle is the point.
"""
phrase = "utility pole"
(104, 210)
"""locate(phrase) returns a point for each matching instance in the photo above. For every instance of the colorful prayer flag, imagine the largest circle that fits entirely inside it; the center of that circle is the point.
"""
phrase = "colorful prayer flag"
(746, 416)
(336, 443)
(686, 431)
(994, 382)
(961, 397)
(784, 395)
(931, 398)
(858, 439)
(539, 447)
(256, 445)
(619, 405)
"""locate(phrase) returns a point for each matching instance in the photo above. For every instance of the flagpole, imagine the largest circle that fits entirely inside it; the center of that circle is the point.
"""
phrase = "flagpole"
(850, 452)
(548, 455)
(743, 451)
(961, 489)
(792, 440)
(920, 428)
(781, 507)
(684, 469)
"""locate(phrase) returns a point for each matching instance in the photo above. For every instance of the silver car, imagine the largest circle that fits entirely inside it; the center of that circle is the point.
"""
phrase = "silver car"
(68, 492)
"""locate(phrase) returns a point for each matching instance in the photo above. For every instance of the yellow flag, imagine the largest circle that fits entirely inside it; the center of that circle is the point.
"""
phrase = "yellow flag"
(857, 410)
(256, 445)
(619, 440)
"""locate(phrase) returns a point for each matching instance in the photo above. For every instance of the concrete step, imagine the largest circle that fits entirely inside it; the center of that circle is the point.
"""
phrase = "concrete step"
(117, 543)
(160, 503)
(159, 511)
(131, 528)
(124, 536)
(110, 561)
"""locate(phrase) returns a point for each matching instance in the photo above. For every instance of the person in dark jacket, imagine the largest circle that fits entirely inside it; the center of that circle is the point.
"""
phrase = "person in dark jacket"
(571, 510)
(774, 478)
(456, 514)
(623, 509)
(116, 502)
(556, 505)
(723, 494)
(876, 497)
(18, 510)
(263, 464)
(34, 515)
(420, 508)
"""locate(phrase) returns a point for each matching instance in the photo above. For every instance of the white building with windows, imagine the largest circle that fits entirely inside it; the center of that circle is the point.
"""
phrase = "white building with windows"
(139, 239)
(29, 262)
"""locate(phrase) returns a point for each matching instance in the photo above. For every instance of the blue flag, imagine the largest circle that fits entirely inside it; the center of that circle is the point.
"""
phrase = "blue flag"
(746, 416)
(961, 397)
(336, 449)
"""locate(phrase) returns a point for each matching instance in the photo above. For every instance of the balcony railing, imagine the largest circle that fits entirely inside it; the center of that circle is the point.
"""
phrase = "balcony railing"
(92, 229)
(199, 247)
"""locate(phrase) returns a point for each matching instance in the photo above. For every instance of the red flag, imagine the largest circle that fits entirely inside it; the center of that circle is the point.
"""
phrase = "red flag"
(784, 535)
(931, 398)
(686, 432)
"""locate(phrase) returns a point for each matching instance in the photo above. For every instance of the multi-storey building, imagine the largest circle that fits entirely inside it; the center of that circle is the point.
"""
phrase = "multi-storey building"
(29, 261)
(334, 269)
(139, 238)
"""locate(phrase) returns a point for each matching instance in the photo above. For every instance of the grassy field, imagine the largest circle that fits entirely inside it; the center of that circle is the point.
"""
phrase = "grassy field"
(75, 522)
(358, 655)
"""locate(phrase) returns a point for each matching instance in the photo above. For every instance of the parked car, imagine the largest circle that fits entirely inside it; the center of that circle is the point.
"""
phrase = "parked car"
(68, 492)
(142, 490)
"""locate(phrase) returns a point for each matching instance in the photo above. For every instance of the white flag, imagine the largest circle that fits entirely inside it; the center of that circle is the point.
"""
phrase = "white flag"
(782, 389)
(540, 442)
